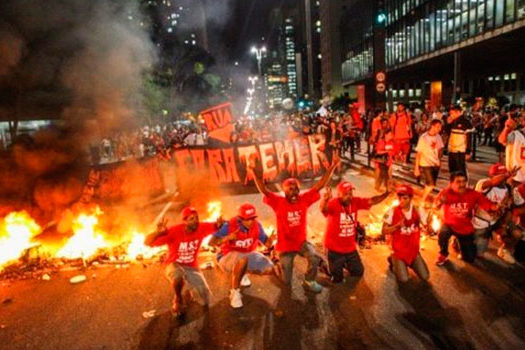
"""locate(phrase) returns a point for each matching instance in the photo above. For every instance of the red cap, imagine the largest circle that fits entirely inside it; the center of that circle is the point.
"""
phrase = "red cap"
(405, 190)
(187, 212)
(344, 187)
(497, 169)
(247, 211)
(291, 181)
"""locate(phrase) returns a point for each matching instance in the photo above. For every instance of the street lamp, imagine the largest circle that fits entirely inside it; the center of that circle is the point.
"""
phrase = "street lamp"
(253, 80)
(258, 52)
(250, 92)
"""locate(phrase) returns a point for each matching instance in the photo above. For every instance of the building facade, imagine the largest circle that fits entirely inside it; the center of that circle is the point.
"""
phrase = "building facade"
(438, 51)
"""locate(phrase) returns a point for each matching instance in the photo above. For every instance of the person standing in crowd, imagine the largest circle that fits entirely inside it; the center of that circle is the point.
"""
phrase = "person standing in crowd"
(402, 227)
(291, 214)
(513, 138)
(429, 150)
(183, 241)
(375, 125)
(342, 227)
(422, 125)
(489, 124)
(496, 190)
(458, 141)
(238, 239)
(459, 203)
(401, 124)
(382, 155)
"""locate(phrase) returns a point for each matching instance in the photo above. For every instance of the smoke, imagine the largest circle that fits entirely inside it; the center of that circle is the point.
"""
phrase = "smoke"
(78, 61)
(86, 57)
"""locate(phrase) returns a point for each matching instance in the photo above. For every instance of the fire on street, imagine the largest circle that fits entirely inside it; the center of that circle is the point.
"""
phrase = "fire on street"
(127, 307)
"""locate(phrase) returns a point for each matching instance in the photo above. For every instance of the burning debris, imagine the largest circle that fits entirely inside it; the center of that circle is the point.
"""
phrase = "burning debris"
(22, 255)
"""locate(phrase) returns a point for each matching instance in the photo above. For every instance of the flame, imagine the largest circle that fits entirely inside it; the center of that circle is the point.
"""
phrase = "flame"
(214, 210)
(15, 237)
(86, 240)
(436, 223)
(137, 247)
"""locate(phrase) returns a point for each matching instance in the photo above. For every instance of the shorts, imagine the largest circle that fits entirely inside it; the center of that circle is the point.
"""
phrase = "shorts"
(193, 276)
(257, 262)
(429, 174)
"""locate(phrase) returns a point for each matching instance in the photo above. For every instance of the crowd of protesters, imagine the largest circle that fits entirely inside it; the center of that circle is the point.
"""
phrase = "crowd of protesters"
(494, 209)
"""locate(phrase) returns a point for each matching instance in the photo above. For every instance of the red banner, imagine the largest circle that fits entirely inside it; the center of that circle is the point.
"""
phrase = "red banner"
(219, 122)
(204, 167)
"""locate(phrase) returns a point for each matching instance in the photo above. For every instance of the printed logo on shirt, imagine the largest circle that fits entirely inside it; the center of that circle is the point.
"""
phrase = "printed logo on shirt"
(459, 210)
(347, 225)
(246, 243)
(294, 218)
(187, 251)
(408, 230)
(522, 153)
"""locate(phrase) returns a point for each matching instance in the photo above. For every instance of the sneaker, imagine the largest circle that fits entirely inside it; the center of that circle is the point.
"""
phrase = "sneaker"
(442, 260)
(313, 286)
(236, 298)
(506, 255)
(245, 281)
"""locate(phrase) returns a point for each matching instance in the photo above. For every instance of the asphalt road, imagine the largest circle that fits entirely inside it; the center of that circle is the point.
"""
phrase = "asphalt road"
(480, 306)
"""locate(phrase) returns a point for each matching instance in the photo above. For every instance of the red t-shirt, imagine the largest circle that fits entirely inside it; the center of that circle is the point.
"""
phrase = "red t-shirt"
(405, 241)
(459, 209)
(183, 246)
(291, 219)
(341, 224)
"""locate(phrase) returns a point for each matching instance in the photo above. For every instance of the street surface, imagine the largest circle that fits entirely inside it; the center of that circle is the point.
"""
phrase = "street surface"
(480, 306)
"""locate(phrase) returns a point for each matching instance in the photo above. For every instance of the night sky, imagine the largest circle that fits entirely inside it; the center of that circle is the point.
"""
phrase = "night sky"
(249, 22)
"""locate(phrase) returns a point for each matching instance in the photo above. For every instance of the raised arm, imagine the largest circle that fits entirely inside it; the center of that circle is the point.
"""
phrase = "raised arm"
(510, 125)
(159, 232)
(324, 201)
(259, 183)
(327, 175)
(378, 199)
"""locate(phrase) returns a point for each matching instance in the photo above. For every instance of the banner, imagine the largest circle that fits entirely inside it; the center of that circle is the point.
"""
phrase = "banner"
(219, 122)
(225, 166)
(302, 157)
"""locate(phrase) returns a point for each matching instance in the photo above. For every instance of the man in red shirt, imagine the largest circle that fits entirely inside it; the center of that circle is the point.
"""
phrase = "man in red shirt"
(341, 229)
(459, 203)
(184, 241)
(239, 239)
(401, 124)
(290, 211)
(402, 225)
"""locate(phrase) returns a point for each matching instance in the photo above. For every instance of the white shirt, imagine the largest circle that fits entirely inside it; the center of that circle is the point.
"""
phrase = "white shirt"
(515, 154)
(389, 215)
(482, 218)
(429, 147)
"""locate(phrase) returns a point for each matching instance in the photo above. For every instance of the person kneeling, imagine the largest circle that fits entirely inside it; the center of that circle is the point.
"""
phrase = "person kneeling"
(341, 229)
(238, 239)
(402, 225)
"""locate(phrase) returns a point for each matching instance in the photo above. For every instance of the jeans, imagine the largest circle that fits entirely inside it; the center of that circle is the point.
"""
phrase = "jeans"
(307, 251)
(349, 261)
(466, 243)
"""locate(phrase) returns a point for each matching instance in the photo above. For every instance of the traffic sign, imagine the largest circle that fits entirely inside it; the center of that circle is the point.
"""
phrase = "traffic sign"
(380, 77)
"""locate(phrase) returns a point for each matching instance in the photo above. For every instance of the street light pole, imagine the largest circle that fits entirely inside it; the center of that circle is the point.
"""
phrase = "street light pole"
(258, 52)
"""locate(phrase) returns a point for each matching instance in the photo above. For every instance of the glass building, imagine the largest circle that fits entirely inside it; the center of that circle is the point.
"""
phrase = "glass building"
(418, 27)
(437, 50)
